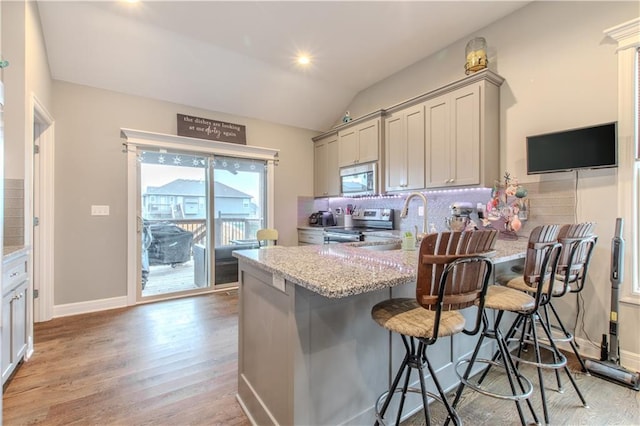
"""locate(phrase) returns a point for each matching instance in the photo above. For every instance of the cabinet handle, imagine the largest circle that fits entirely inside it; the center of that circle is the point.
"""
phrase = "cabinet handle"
(14, 274)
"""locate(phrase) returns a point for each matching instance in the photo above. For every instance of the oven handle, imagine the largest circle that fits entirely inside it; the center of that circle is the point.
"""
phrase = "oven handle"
(342, 238)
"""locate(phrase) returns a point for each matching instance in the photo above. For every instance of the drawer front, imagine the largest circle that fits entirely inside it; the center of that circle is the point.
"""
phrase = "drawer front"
(310, 237)
(14, 273)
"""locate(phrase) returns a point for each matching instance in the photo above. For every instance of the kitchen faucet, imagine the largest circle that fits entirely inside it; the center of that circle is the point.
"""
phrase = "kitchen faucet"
(405, 211)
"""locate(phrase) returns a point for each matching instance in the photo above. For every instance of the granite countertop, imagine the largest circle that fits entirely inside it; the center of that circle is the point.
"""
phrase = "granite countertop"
(341, 270)
(10, 253)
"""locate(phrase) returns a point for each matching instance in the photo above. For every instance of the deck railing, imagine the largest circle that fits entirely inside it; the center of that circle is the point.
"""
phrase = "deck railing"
(226, 229)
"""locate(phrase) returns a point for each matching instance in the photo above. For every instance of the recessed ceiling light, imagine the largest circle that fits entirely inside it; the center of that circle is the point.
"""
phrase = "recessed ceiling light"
(303, 60)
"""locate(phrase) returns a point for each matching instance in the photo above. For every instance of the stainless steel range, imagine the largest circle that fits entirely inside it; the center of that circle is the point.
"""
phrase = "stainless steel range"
(364, 220)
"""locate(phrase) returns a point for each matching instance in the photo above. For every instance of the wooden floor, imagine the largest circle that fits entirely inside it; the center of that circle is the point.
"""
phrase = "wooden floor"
(175, 363)
(166, 363)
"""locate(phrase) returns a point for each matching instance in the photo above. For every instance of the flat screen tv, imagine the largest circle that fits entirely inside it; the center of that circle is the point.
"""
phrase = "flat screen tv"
(591, 147)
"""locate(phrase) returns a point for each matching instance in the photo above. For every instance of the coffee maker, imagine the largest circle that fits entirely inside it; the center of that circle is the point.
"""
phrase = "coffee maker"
(460, 216)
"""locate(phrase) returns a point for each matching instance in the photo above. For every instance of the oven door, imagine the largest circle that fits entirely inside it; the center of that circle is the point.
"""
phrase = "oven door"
(341, 237)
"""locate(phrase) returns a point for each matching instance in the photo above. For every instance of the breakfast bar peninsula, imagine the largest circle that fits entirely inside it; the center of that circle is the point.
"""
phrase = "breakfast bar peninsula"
(309, 352)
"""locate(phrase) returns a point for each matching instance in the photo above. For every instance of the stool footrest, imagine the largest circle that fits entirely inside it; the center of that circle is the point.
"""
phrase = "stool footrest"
(525, 383)
(558, 334)
(560, 362)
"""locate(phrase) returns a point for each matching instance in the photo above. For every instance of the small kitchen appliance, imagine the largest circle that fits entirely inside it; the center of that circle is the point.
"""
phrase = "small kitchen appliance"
(363, 221)
(608, 367)
(460, 216)
(322, 219)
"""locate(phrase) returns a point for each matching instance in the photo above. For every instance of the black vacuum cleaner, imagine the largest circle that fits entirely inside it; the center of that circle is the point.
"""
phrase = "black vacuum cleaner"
(608, 367)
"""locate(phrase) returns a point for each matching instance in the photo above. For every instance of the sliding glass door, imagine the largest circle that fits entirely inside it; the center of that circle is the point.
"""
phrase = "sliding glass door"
(174, 218)
(239, 201)
(194, 211)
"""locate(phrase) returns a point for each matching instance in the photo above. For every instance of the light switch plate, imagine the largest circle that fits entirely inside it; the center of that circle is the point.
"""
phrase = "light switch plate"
(99, 210)
(420, 210)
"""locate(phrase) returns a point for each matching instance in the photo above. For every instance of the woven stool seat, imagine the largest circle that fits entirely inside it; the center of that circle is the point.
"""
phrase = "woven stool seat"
(517, 282)
(508, 299)
(406, 316)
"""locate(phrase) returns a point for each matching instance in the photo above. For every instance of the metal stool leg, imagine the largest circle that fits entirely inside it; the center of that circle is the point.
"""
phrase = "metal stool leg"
(511, 332)
(565, 367)
(569, 337)
(394, 385)
(545, 311)
(415, 358)
(525, 386)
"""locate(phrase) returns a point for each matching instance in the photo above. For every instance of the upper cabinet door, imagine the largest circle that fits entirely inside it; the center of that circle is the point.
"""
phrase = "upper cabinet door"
(404, 149)
(348, 147)
(333, 167)
(326, 180)
(368, 141)
(437, 145)
(395, 153)
(359, 143)
(453, 139)
(465, 135)
(320, 156)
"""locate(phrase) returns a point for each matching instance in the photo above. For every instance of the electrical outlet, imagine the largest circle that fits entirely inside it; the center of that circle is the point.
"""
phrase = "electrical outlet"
(420, 210)
(99, 210)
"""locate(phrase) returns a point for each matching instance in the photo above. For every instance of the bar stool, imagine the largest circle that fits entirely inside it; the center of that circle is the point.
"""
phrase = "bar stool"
(578, 243)
(539, 280)
(542, 253)
(267, 237)
(453, 274)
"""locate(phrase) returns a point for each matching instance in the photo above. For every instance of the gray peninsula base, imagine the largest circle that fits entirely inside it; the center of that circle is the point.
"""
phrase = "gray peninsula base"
(307, 359)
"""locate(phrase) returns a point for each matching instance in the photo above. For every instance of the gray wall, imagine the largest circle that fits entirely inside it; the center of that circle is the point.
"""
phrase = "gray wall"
(561, 73)
(90, 168)
(27, 74)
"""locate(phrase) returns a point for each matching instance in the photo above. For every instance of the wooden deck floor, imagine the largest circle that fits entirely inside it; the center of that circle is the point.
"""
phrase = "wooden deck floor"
(165, 279)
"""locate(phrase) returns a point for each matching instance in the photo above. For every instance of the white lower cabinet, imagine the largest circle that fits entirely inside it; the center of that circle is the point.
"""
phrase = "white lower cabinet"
(15, 292)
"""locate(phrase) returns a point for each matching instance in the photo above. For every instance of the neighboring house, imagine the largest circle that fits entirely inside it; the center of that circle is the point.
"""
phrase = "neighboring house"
(186, 199)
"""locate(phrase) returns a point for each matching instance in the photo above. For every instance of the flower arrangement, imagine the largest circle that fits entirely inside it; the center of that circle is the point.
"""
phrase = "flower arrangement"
(508, 203)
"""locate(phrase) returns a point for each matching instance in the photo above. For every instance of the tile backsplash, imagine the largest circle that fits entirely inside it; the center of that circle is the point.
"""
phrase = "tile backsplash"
(438, 203)
(550, 202)
(14, 212)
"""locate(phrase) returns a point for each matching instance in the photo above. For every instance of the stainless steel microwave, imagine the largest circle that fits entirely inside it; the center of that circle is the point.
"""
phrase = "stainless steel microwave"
(359, 180)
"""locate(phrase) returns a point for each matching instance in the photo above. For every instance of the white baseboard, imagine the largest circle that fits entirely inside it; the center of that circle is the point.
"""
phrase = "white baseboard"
(90, 306)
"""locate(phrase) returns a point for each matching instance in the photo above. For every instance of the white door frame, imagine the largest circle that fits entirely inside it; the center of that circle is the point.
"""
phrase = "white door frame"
(139, 138)
(42, 238)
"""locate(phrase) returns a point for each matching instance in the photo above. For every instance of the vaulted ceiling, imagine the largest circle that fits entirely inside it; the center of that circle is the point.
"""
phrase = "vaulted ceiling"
(238, 57)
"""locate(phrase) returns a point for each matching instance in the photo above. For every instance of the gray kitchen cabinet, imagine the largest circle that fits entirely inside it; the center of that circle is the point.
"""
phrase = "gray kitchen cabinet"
(359, 143)
(326, 179)
(15, 290)
(404, 149)
(307, 236)
(462, 133)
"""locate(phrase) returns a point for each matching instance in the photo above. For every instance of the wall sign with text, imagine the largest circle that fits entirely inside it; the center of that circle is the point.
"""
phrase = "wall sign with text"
(204, 128)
